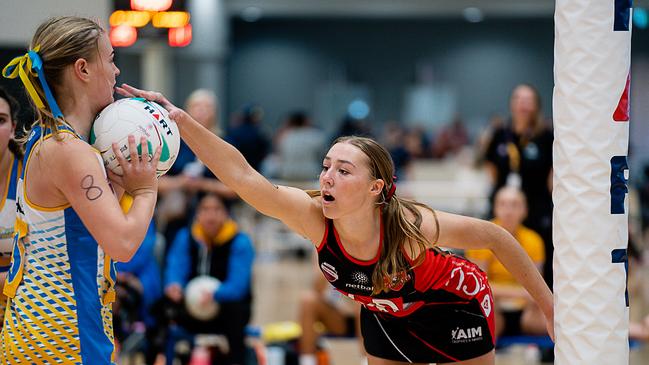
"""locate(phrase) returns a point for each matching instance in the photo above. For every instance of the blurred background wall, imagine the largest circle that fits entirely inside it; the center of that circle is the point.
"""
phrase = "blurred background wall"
(417, 62)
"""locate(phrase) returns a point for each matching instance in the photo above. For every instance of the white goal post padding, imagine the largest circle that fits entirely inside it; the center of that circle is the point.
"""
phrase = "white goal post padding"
(590, 228)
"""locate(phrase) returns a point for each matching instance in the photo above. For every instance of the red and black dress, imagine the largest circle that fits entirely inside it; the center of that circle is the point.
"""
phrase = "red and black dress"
(441, 311)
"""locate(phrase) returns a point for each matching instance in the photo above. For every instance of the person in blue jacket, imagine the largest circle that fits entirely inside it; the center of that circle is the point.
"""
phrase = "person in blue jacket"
(139, 287)
(144, 269)
(214, 246)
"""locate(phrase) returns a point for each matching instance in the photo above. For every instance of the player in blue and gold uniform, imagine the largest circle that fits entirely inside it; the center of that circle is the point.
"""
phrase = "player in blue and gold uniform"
(10, 168)
(69, 224)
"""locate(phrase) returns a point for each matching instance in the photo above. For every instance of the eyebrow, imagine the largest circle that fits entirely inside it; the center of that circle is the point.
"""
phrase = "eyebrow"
(327, 158)
(4, 115)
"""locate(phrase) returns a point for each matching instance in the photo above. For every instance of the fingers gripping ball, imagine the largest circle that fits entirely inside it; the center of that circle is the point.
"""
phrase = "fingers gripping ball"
(199, 297)
(138, 117)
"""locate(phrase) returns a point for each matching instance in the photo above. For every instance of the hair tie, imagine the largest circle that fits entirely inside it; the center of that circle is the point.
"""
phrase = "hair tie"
(393, 188)
(21, 66)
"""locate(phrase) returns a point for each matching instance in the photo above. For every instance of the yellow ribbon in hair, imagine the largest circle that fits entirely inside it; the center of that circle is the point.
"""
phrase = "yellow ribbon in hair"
(22, 66)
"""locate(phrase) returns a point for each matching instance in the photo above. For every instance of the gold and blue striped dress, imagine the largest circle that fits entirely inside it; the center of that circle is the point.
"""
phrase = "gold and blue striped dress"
(60, 286)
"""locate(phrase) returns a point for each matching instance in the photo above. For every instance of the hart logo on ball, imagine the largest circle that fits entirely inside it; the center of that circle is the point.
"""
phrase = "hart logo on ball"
(137, 117)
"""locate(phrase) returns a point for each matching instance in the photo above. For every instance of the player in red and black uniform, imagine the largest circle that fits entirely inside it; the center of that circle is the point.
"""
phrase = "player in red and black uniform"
(421, 304)
(416, 320)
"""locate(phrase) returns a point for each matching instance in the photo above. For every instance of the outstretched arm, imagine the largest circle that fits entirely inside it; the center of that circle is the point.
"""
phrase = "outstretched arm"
(292, 206)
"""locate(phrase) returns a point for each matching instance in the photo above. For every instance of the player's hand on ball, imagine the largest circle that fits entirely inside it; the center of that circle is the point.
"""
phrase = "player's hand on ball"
(139, 172)
(175, 113)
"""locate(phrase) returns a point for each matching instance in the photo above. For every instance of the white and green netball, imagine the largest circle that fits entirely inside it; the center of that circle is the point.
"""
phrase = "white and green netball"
(137, 117)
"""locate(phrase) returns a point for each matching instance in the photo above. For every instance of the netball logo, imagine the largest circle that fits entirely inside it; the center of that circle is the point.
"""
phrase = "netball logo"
(360, 277)
(360, 281)
(329, 272)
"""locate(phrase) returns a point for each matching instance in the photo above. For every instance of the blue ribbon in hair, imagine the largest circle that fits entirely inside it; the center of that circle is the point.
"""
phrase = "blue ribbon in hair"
(37, 64)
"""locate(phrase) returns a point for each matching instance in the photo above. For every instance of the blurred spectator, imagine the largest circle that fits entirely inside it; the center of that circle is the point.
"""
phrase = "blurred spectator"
(188, 175)
(326, 307)
(495, 123)
(638, 330)
(212, 245)
(202, 106)
(353, 127)
(138, 288)
(393, 140)
(450, 139)
(300, 147)
(516, 312)
(247, 136)
(11, 157)
(644, 199)
(520, 155)
(417, 143)
(144, 268)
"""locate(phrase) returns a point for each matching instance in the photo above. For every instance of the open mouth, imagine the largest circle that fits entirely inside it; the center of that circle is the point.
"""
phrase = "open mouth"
(328, 197)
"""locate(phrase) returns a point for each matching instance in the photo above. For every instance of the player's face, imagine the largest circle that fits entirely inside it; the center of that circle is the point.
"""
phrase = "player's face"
(7, 125)
(211, 214)
(104, 72)
(345, 181)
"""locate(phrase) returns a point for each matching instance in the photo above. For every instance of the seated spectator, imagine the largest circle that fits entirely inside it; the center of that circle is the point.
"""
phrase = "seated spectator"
(323, 305)
(639, 330)
(516, 313)
(214, 246)
(177, 188)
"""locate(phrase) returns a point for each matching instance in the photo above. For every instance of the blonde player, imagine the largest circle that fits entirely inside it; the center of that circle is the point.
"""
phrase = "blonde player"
(69, 223)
